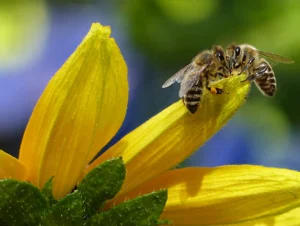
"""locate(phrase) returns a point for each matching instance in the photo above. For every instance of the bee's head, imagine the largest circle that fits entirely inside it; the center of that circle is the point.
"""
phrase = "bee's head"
(220, 56)
(233, 55)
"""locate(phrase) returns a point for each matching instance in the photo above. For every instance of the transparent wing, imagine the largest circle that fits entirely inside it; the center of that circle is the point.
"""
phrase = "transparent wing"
(190, 79)
(178, 77)
(275, 58)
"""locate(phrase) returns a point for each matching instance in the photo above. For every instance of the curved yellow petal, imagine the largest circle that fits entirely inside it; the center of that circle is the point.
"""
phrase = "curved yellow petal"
(290, 218)
(223, 195)
(81, 109)
(10, 167)
(174, 134)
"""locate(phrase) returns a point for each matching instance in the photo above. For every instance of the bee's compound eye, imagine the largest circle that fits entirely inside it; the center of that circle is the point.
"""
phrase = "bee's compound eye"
(237, 51)
(220, 56)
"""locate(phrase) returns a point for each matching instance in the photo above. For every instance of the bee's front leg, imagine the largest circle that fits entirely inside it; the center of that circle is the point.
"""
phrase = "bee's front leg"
(250, 63)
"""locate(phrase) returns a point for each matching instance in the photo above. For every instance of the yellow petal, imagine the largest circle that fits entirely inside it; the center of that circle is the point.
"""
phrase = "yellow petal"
(10, 167)
(81, 109)
(290, 218)
(224, 195)
(174, 134)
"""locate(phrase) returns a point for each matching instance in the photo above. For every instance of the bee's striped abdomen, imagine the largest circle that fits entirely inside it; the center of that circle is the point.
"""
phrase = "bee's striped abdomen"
(267, 82)
(193, 97)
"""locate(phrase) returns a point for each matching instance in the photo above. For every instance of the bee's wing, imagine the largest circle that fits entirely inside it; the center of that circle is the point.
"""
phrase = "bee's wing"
(178, 77)
(275, 58)
(190, 79)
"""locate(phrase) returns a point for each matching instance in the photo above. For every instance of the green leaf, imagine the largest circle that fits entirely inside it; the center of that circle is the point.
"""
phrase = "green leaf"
(20, 203)
(141, 211)
(67, 211)
(47, 192)
(101, 184)
(164, 222)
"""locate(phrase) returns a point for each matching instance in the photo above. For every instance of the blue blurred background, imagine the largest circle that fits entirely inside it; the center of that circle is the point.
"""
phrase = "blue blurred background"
(157, 38)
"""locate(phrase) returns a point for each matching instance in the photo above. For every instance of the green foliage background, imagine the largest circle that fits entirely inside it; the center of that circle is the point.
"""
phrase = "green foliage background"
(169, 32)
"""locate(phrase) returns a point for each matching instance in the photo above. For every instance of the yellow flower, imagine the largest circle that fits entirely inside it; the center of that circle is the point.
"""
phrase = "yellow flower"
(83, 107)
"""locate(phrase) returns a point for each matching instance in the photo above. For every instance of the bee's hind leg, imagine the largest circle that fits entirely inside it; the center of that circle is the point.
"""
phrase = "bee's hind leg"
(250, 78)
(215, 90)
(260, 71)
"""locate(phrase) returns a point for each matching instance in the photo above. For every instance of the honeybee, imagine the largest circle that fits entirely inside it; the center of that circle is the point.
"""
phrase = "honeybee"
(247, 58)
(208, 65)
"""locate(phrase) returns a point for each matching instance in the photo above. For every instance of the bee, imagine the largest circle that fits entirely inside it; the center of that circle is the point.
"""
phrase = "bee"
(208, 65)
(247, 58)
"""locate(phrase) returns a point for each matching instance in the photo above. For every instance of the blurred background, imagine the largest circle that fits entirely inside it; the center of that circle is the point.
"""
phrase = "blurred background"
(157, 38)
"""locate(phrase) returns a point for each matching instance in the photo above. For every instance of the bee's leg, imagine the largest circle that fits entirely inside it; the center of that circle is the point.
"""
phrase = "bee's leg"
(226, 71)
(260, 71)
(214, 90)
(182, 98)
(250, 62)
(250, 78)
(222, 75)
